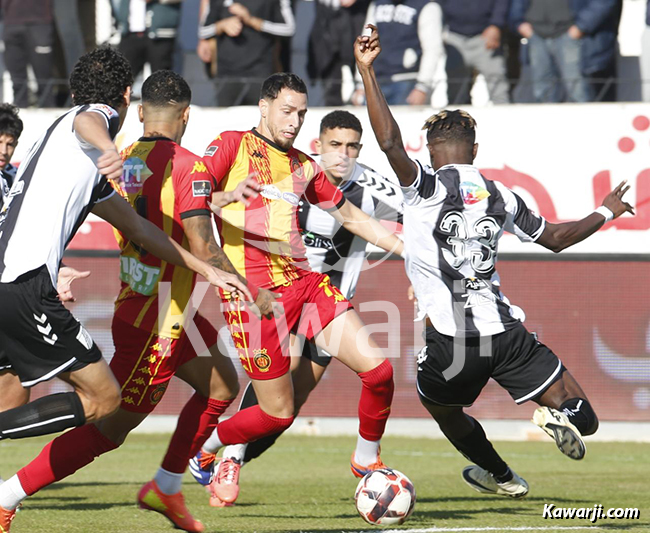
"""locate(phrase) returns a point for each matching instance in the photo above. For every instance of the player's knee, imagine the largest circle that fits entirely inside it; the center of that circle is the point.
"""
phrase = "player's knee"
(101, 404)
(278, 423)
(582, 414)
(379, 378)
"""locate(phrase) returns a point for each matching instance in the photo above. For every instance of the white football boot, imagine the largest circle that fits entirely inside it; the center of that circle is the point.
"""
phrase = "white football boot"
(482, 481)
(556, 424)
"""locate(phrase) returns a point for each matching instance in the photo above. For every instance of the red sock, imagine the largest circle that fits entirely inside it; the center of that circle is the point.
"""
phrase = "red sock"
(249, 425)
(196, 422)
(376, 397)
(63, 456)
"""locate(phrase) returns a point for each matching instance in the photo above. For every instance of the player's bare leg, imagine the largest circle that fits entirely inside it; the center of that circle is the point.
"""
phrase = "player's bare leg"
(12, 393)
(359, 352)
(566, 415)
(490, 474)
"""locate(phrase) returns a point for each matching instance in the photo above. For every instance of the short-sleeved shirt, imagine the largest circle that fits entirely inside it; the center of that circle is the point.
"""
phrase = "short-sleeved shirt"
(166, 184)
(262, 240)
(453, 220)
(55, 188)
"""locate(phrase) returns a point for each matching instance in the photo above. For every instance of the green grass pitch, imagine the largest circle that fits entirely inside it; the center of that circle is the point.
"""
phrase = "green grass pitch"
(303, 484)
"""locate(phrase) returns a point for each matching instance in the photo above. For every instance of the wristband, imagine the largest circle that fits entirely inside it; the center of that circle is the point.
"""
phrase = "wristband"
(606, 212)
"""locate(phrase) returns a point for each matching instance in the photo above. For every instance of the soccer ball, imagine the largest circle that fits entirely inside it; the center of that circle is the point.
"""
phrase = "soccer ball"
(385, 497)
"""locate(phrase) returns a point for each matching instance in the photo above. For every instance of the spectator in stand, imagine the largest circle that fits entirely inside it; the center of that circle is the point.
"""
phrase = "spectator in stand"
(473, 31)
(412, 35)
(10, 129)
(331, 41)
(572, 46)
(29, 38)
(246, 34)
(148, 29)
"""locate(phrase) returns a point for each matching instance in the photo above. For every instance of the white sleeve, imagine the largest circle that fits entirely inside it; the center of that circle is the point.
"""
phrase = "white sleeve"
(521, 221)
(430, 35)
(422, 188)
(282, 29)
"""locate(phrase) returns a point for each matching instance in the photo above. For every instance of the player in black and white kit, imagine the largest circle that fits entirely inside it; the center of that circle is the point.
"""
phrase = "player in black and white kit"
(453, 220)
(330, 249)
(63, 177)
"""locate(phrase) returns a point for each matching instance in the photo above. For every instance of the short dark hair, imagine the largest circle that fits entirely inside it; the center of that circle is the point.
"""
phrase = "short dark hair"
(282, 80)
(340, 119)
(100, 77)
(165, 87)
(10, 123)
(452, 126)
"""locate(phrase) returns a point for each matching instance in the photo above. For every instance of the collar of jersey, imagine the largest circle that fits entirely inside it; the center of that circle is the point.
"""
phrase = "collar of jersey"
(453, 165)
(268, 141)
(153, 139)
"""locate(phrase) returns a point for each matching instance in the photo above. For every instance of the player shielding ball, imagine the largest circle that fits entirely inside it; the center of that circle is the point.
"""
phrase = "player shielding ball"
(38, 335)
(453, 220)
(262, 239)
(332, 250)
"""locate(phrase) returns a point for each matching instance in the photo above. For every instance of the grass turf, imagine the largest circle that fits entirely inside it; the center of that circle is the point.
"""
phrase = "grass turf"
(304, 484)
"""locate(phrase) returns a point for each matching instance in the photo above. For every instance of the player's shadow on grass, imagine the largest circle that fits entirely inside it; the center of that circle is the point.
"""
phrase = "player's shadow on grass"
(64, 504)
(534, 499)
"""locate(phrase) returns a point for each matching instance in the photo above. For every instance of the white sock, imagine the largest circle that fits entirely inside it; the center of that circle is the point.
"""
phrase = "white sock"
(11, 493)
(213, 444)
(367, 451)
(168, 482)
(235, 451)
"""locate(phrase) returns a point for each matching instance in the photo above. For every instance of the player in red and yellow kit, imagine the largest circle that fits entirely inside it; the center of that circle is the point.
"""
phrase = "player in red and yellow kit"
(172, 188)
(262, 240)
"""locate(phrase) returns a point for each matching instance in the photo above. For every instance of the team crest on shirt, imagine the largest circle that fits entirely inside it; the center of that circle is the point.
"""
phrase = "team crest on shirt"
(262, 360)
(158, 393)
(472, 193)
(135, 174)
(296, 167)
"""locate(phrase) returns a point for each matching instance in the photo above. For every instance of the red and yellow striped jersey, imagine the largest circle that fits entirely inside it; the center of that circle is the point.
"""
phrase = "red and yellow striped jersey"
(166, 184)
(262, 240)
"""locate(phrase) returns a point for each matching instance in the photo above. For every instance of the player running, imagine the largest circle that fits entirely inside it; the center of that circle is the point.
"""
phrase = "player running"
(262, 239)
(42, 339)
(330, 249)
(453, 220)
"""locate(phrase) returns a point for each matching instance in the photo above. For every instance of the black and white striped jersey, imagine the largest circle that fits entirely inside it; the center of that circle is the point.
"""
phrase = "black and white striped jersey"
(7, 177)
(453, 220)
(55, 188)
(332, 249)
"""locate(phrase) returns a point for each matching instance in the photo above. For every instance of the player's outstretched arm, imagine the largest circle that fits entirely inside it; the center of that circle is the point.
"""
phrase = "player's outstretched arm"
(119, 213)
(366, 50)
(200, 235)
(368, 228)
(557, 237)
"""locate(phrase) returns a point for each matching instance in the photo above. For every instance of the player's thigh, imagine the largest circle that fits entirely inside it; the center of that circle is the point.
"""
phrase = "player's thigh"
(565, 388)
(275, 396)
(12, 393)
(117, 426)
(97, 388)
(346, 337)
(212, 377)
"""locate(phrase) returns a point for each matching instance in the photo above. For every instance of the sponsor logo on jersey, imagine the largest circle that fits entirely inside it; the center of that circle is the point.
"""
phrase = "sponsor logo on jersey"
(472, 193)
(201, 188)
(199, 166)
(262, 360)
(135, 174)
(291, 198)
(141, 278)
(271, 192)
(211, 150)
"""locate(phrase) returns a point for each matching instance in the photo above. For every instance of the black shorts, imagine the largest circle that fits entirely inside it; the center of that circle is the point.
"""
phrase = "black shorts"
(516, 360)
(311, 352)
(39, 337)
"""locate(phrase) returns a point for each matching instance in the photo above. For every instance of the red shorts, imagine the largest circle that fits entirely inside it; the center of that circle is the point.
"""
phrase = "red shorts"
(144, 362)
(310, 303)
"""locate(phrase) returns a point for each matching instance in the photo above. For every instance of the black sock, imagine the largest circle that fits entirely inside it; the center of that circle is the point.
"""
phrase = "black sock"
(46, 415)
(581, 415)
(476, 447)
(258, 447)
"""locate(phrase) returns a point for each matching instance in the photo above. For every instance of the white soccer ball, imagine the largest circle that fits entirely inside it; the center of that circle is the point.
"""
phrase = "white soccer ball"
(385, 497)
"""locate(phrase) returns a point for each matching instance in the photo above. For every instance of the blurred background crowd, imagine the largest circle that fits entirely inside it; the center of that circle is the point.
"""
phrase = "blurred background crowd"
(438, 52)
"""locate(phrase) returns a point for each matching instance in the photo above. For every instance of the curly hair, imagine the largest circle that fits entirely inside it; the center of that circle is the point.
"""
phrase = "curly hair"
(100, 77)
(340, 119)
(165, 87)
(10, 123)
(282, 80)
(453, 126)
